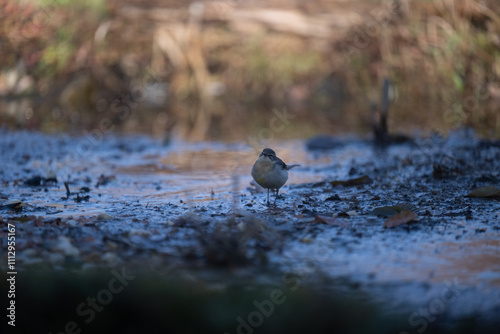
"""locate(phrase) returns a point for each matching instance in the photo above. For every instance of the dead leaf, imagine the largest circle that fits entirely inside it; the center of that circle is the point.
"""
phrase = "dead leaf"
(488, 191)
(384, 211)
(403, 217)
(343, 215)
(391, 210)
(352, 182)
(331, 221)
(13, 203)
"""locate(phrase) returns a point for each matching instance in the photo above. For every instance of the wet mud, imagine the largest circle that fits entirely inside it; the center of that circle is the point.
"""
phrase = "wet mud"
(85, 203)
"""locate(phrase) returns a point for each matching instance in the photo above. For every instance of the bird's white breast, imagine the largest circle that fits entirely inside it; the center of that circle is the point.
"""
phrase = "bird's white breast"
(269, 175)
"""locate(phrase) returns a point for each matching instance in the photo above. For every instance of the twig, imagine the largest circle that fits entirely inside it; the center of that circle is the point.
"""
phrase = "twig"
(68, 193)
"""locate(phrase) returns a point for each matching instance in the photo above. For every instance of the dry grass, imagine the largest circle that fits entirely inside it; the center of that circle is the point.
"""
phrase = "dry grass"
(226, 76)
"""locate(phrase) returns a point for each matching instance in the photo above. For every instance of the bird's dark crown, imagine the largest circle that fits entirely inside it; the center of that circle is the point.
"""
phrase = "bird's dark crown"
(268, 152)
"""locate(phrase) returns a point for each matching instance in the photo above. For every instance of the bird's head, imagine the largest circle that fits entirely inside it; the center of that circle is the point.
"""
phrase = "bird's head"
(267, 153)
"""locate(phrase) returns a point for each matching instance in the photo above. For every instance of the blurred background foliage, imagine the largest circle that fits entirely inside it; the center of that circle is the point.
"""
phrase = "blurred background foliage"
(217, 69)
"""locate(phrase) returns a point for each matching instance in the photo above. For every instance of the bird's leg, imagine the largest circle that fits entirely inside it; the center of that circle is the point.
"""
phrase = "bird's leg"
(276, 197)
(267, 196)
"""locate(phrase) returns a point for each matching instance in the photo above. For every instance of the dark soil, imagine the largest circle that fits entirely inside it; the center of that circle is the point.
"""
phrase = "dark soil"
(188, 223)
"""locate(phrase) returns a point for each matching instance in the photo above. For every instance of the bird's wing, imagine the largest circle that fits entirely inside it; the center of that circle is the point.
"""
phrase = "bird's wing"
(288, 167)
(280, 163)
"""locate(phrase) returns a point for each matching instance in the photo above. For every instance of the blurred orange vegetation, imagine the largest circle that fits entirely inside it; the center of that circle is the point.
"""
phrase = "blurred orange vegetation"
(217, 69)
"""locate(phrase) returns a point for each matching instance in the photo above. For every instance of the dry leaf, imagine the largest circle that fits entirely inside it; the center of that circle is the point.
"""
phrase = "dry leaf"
(403, 217)
(488, 191)
(330, 221)
(384, 211)
(352, 182)
(13, 203)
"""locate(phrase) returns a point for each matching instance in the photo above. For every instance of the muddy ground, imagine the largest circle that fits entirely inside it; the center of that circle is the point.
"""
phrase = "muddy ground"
(203, 251)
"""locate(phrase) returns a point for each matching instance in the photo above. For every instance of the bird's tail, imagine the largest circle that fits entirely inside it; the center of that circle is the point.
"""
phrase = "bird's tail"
(288, 167)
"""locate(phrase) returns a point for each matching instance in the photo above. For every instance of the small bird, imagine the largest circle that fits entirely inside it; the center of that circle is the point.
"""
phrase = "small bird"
(270, 172)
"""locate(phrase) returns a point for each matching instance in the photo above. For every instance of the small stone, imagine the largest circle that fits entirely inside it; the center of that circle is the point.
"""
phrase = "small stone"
(139, 232)
(64, 246)
(72, 222)
(111, 259)
(104, 216)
